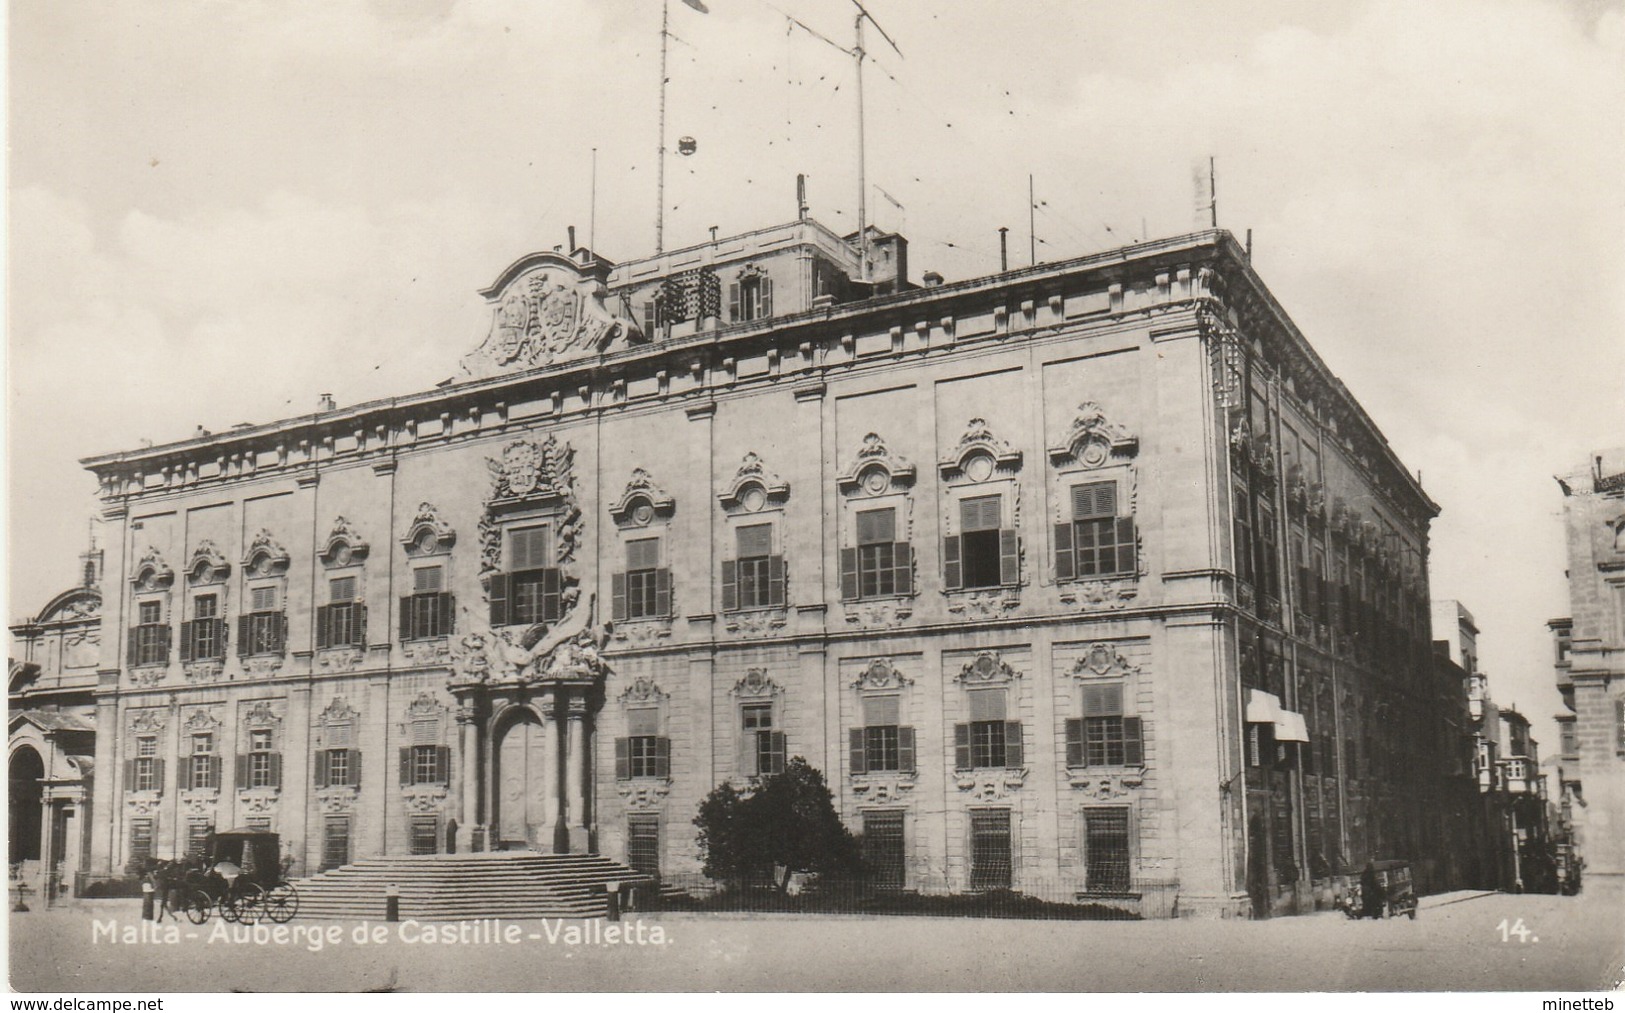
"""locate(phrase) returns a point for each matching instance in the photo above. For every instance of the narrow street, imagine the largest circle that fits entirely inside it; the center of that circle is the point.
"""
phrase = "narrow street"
(1456, 944)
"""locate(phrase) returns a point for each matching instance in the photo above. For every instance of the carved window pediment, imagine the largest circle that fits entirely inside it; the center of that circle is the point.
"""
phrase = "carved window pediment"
(148, 720)
(756, 685)
(152, 573)
(345, 545)
(880, 673)
(754, 487)
(338, 712)
(1102, 659)
(265, 556)
(980, 455)
(202, 720)
(429, 533)
(531, 470)
(208, 565)
(643, 691)
(261, 715)
(1094, 439)
(642, 502)
(875, 469)
(985, 669)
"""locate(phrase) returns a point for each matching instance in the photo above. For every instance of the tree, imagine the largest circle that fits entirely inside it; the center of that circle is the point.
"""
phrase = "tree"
(786, 821)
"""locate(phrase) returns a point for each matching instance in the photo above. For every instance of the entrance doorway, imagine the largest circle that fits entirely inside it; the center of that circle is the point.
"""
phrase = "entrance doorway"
(521, 788)
(25, 794)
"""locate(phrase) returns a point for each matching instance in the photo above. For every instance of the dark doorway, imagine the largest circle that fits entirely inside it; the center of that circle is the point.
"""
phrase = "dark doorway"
(25, 794)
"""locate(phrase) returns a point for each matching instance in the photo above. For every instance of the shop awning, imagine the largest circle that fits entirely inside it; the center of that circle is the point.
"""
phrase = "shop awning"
(1291, 727)
(1262, 707)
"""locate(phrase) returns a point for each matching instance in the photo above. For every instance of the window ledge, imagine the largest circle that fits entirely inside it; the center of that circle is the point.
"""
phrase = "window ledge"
(1107, 895)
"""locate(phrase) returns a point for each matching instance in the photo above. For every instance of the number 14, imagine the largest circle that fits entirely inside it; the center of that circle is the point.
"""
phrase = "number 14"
(1517, 928)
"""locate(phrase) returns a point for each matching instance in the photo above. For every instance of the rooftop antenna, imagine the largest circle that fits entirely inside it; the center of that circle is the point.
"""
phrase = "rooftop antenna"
(1032, 233)
(660, 171)
(863, 186)
(592, 208)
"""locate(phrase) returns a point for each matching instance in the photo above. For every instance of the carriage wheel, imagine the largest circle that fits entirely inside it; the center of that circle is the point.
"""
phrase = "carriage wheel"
(281, 902)
(247, 902)
(196, 905)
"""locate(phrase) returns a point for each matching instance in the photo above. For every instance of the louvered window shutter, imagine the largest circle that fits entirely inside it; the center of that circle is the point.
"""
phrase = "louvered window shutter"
(1009, 557)
(355, 768)
(552, 595)
(132, 648)
(501, 593)
(775, 580)
(158, 773)
(767, 297)
(1065, 562)
(623, 759)
(187, 637)
(952, 569)
(129, 775)
(849, 574)
(169, 633)
(214, 772)
(406, 767)
(662, 756)
(617, 583)
(1133, 742)
(358, 636)
(903, 558)
(905, 749)
(242, 770)
(321, 768)
(276, 770)
(324, 622)
(1074, 742)
(730, 585)
(1012, 744)
(406, 617)
(663, 592)
(1125, 545)
(442, 764)
(749, 753)
(857, 755)
(962, 747)
(448, 614)
(777, 751)
(733, 302)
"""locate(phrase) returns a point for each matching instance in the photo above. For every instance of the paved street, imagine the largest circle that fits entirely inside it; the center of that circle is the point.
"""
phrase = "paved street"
(1455, 944)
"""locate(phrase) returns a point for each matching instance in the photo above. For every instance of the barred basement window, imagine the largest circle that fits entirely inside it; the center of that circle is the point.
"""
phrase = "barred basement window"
(140, 839)
(197, 838)
(425, 835)
(1107, 861)
(643, 844)
(990, 850)
(335, 842)
(883, 850)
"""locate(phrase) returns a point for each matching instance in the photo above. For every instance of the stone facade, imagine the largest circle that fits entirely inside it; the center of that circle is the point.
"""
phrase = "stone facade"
(1087, 578)
(1591, 660)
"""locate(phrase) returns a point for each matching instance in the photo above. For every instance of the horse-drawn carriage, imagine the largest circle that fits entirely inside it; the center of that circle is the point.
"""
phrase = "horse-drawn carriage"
(1391, 892)
(240, 876)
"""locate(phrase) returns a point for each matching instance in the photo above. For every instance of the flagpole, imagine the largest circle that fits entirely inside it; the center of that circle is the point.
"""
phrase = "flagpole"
(660, 171)
(863, 217)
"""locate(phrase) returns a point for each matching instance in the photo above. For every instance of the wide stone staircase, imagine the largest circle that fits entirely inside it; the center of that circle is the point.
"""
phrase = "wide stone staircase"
(498, 884)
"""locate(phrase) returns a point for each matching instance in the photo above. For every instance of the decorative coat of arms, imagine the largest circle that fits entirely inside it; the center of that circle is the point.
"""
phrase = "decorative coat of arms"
(547, 309)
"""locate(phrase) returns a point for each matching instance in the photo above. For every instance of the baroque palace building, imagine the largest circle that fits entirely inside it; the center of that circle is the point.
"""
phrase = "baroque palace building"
(1088, 577)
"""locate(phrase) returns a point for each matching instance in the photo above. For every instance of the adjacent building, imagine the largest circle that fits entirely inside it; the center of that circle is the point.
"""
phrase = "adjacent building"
(1087, 579)
(1590, 661)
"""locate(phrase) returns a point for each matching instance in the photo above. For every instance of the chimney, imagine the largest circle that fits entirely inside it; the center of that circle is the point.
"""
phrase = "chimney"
(713, 234)
(1004, 249)
(325, 403)
(932, 279)
(571, 232)
(801, 196)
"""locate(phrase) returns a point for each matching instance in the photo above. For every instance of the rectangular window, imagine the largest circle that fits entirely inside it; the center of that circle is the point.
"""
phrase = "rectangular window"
(151, 612)
(643, 844)
(1097, 542)
(990, 850)
(425, 835)
(877, 531)
(1106, 850)
(764, 748)
(1104, 736)
(427, 612)
(1243, 525)
(203, 639)
(147, 777)
(642, 578)
(338, 766)
(204, 764)
(644, 752)
(755, 578)
(149, 640)
(979, 542)
(335, 842)
(426, 765)
(140, 839)
(883, 851)
(260, 767)
(988, 740)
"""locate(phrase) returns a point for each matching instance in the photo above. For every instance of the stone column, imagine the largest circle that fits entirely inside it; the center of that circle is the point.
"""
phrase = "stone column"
(575, 773)
(469, 738)
(550, 771)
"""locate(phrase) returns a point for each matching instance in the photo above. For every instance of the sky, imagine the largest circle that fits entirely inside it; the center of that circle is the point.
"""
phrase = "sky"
(219, 211)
